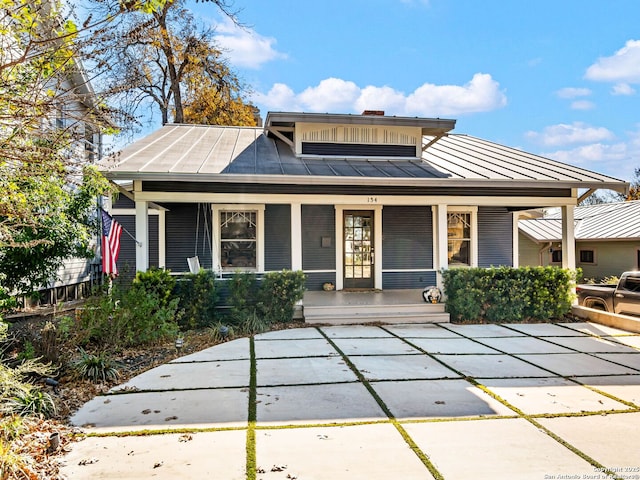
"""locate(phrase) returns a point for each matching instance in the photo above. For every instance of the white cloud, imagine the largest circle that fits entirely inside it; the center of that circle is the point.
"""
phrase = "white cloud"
(617, 159)
(572, 92)
(582, 105)
(380, 98)
(622, 89)
(564, 134)
(331, 95)
(623, 66)
(481, 94)
(598, 157)
(245, 47)
(279, 98)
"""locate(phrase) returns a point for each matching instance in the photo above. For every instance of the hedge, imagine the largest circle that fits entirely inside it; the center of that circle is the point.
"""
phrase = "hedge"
(506, 294)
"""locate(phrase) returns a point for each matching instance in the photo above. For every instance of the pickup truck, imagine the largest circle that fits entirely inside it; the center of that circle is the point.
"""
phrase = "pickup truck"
(623, 298)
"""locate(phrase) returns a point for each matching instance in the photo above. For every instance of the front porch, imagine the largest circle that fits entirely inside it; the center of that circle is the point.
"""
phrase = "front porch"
(376, 306)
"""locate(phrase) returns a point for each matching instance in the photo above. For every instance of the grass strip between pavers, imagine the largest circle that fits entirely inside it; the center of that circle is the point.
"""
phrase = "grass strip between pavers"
(253, 406)
(407, 438)
(529, 418)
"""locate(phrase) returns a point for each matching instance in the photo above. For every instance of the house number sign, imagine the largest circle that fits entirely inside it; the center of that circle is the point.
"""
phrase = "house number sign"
(372, 199)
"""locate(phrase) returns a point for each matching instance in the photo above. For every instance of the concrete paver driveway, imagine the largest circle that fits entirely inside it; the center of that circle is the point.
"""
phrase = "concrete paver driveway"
(526, 401)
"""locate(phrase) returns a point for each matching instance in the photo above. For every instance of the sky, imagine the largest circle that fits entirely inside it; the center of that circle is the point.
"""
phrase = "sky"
(559, 78)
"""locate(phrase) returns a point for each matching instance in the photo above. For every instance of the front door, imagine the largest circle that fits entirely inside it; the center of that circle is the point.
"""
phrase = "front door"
(358, 249)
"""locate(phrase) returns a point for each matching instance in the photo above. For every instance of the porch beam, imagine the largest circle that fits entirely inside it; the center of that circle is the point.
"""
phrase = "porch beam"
(250, 198)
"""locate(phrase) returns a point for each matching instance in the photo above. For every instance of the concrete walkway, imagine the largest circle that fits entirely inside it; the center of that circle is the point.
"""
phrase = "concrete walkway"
(532, 401)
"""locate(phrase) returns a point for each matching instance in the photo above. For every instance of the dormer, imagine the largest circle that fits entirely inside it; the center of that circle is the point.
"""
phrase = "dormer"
(370, 135)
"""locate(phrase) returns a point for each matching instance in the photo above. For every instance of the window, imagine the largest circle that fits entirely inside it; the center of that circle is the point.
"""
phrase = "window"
(459, 238)
(238, 239)
(556, 256)
(587, 256)
(631, 283)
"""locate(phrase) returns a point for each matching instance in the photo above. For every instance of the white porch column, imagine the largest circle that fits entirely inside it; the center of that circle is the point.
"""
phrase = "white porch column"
(339, 248)
(142, 236)
(377, 240)
(162, 239)
(440, 244)
(296, 236)
(568, 238)
(516, 241)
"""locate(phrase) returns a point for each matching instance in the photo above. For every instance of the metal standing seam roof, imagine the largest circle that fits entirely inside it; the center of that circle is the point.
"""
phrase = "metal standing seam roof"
(248, 154)
(608, 221)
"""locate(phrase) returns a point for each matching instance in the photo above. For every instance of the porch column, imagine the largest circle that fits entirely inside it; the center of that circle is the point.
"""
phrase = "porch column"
(440, 255)
(515, 261)
(162, 240)
(377, 240)
(296, 236)
(568, 238)
(142, 236)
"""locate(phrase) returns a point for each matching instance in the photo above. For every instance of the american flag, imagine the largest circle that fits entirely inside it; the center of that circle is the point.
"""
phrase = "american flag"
(111, 231)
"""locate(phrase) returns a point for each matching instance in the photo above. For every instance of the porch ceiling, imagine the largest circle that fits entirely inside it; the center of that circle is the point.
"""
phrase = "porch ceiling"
(249, 155)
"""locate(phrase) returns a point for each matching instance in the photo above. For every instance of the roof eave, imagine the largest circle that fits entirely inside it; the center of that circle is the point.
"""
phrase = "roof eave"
(370, 181)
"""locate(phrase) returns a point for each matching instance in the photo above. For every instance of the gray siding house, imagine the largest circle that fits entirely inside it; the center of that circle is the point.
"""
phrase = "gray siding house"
(607, 239)
(77, 113)
(366, 202)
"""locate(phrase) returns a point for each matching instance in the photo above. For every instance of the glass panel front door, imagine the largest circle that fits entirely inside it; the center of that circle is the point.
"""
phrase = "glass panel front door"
(358, 249)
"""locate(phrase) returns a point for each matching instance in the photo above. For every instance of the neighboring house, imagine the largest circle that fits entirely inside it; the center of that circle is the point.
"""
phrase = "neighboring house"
(366, 201)
(607, 239)
(78, 104)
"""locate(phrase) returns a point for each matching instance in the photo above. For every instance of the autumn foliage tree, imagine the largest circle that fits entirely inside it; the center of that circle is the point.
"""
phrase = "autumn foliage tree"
(634, 189)
(166, 60)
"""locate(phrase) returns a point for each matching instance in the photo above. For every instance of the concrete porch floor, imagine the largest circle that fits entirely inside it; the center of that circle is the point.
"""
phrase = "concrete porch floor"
(377, 297)
(359, 307)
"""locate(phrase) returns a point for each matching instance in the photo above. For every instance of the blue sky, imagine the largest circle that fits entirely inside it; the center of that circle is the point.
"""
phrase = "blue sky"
(558, 78)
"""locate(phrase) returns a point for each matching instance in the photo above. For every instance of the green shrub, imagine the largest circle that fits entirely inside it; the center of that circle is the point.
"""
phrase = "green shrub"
(96, 367)
(158, 282)
(278, 294)
(127, 316)
(255, 305)
(198, 297)
(507, 294)
(243, 293)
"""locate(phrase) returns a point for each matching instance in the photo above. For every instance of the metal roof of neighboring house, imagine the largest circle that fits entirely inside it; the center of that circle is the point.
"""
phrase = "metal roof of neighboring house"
(251, 155)
(607, 221)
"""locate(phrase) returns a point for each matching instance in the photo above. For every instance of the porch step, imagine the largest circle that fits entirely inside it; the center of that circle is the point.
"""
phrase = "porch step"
(367, 310)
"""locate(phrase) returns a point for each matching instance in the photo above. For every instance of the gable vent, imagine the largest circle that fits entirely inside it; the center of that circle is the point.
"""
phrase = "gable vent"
(358, 150)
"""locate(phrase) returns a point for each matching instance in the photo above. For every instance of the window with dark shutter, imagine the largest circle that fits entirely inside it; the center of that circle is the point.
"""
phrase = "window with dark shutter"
(587, 256)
